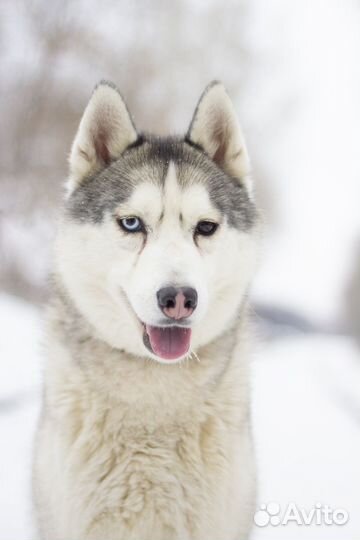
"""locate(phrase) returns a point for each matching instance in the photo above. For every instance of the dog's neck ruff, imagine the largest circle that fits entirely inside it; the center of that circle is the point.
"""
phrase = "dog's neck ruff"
(98, 359)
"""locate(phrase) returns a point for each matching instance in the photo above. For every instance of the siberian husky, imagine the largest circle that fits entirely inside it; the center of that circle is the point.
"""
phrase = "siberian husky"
(145, 431)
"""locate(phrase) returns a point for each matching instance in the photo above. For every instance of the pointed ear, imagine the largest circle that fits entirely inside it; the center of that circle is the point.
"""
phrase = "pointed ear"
(105, 131)
(216, 129)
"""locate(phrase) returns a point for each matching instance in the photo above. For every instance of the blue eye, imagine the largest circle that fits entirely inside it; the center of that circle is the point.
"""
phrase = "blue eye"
(131, 224)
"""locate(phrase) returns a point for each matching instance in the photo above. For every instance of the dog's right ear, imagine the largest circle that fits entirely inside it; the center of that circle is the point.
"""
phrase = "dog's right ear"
(105, 131)
(216, 129)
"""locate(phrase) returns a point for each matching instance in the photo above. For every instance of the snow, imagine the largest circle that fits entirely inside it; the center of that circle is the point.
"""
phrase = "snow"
(19, 348)
(20, 375)
(306, 410)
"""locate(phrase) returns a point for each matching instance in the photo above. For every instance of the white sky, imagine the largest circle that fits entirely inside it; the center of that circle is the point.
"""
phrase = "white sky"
(312, 48)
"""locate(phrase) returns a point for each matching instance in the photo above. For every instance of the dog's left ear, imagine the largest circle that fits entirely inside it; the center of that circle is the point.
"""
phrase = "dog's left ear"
(216, 129)
(106, 130)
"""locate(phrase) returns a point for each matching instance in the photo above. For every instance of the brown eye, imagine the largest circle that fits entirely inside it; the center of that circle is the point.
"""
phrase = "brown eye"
(206, 228)
(131, 224)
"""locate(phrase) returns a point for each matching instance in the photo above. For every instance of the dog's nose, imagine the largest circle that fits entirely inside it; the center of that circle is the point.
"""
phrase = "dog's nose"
(177, 303)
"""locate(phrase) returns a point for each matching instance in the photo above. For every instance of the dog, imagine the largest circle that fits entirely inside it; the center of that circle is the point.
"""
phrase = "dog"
(145, 430)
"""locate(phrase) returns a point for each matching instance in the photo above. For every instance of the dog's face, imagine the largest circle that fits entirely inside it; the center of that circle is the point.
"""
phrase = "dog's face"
(158, 240)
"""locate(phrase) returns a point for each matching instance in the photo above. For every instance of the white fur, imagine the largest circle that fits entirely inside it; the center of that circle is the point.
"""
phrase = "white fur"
(110, 266)
(132, 450)
(131, 447)
(215, 127)
(105, 121)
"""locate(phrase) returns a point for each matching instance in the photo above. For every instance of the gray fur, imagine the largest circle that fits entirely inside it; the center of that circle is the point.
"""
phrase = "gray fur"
(134, 444)
(102, 193)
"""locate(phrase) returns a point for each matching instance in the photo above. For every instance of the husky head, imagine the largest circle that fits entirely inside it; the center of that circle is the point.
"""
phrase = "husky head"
(158, 239)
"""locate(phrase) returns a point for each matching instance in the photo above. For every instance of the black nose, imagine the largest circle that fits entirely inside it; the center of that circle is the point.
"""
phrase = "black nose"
(177, 303)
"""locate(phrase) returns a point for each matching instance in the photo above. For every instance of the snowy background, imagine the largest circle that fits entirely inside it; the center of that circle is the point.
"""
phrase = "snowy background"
(293, 71)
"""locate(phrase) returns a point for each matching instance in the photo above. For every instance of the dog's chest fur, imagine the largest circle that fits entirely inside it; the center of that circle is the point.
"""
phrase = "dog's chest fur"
(142, 447)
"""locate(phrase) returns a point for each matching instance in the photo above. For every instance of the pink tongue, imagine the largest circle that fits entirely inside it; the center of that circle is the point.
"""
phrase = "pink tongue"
(170, 342)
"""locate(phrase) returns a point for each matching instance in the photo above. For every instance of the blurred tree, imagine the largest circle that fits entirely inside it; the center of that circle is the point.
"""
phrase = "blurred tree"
(161, 55)
(352, 298)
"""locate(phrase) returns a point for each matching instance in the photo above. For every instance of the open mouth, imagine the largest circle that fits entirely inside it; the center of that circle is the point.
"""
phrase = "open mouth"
(168, 342)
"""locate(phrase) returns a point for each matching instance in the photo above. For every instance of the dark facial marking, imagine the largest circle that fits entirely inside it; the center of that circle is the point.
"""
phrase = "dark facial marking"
(100, 194)
(232, 200)
(228, 194)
